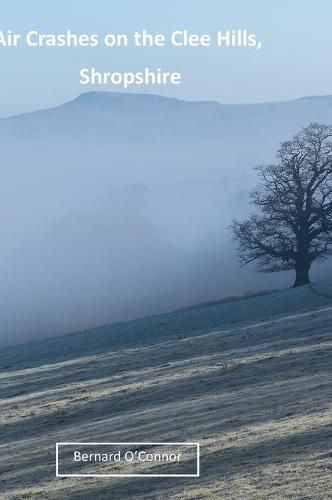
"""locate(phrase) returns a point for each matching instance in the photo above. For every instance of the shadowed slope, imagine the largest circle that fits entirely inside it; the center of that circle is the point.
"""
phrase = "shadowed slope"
(255, 392)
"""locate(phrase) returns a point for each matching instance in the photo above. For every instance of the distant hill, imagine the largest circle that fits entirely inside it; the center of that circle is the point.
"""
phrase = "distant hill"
(128, 116)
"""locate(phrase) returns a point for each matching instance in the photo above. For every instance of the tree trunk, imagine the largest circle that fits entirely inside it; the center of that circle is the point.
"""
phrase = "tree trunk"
(302, 276)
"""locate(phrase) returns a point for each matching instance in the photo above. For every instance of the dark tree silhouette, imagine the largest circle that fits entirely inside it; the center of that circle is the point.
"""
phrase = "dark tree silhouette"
(293, 224)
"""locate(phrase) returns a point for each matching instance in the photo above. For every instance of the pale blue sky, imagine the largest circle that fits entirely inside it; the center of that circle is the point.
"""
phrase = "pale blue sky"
(296, 58)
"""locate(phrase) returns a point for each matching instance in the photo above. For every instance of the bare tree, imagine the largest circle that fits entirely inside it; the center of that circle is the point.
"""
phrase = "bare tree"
(293, 224)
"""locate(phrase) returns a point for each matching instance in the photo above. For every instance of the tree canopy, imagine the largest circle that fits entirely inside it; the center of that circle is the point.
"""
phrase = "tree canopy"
(292, 226)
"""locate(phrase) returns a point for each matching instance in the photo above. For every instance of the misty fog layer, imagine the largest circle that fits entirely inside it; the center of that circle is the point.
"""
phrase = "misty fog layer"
(116, 206)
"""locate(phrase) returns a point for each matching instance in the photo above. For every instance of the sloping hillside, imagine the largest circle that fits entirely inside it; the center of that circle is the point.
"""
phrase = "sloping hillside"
(250, 380)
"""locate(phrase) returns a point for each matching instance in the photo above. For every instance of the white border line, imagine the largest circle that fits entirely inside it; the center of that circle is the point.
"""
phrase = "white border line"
(125, 475)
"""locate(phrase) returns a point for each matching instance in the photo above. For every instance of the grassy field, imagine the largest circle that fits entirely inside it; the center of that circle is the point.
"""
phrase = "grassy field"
(250, 380)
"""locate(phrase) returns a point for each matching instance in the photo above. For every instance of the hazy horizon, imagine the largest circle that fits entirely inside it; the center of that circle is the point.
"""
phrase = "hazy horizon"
(117, 206)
